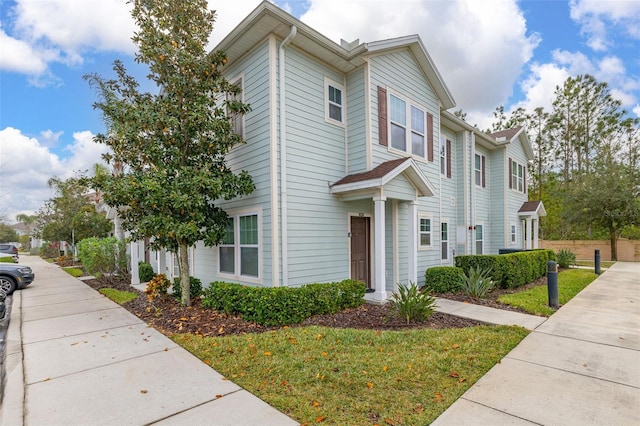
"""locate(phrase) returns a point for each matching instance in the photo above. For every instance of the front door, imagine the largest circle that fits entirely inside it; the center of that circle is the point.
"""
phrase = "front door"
(360, 249)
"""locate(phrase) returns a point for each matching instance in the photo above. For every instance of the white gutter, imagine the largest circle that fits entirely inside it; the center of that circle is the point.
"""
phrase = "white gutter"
(283, 156)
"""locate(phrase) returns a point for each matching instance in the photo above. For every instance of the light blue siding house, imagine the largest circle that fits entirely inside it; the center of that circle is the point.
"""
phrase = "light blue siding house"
(360, 170)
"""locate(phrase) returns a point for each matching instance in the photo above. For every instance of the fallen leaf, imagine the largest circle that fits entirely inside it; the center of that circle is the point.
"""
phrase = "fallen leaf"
(315, 404)
(389, 422)
(385, 368)
(219, 396)
(455, 346)
(267, 354)
(284, 383)
(320, 419)
(144, 391)
(454, 374)
(183, 319)
(370, 385)
(324, 354)
(74, 343)
(437, 397)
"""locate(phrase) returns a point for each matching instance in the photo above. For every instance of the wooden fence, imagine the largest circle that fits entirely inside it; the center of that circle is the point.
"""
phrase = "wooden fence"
(628, 250)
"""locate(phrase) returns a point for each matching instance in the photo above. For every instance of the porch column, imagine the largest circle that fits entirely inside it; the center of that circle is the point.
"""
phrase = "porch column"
(162, 261)
(413, 243)
(528, 241)
(536, 224)
(135, 258)
(379, 249)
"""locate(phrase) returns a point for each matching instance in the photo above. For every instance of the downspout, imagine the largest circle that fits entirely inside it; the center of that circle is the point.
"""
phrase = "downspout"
(283, 156)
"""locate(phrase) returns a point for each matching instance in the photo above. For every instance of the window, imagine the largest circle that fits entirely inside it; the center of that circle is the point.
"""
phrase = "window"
(445, 157)
(479, 237)
(408, 126)
(518, 174)
(334, 96)
(444, 240)
(239, 250)
(513, 234)
(480, 161)
(425, 232)
(237, 119)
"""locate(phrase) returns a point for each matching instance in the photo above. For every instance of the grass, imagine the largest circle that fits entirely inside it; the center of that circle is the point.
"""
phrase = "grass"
(118, 296)
(591, 263)
(75, 272)
(357, 377)
(536, 300)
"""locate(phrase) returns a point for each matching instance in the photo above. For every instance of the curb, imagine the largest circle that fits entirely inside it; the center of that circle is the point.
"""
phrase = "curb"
(12, 404)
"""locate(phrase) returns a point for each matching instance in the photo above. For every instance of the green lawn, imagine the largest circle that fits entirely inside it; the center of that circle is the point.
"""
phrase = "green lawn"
(536, 300)
(118, 296)
(76, 272)
(357, 377)
(591, 263)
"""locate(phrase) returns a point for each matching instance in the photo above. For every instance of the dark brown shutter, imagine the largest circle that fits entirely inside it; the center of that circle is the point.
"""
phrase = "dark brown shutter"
(524, 179)
(510, 174)
(382, 116)
(448, 158)
(429, 137)
(483, 170)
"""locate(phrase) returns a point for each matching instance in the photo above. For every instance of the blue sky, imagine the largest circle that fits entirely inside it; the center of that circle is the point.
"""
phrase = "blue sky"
(489, 53)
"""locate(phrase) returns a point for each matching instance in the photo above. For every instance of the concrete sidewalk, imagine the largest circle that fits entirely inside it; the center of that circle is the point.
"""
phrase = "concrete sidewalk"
(580, 367)
(73, 357)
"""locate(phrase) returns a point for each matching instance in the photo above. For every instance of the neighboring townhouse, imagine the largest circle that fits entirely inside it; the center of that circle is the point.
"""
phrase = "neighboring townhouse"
(360, 171)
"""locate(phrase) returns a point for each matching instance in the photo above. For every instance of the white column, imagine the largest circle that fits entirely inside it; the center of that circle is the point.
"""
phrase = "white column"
(536, 224)
(528, 242)
(379, 249)
(162, 261)
(413, 242)
(135, 258)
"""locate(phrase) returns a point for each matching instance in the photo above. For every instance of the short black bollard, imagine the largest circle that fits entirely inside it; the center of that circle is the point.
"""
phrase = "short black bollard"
(552, 283)
(597, 262)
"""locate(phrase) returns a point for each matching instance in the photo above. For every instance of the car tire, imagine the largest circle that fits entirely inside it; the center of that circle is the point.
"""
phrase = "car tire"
(8, 285)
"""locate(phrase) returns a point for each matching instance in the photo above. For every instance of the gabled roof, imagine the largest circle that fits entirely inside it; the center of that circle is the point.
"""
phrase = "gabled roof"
(268, 18)
(532, 208)
(512, 135)
(383, 174)
(508, 134)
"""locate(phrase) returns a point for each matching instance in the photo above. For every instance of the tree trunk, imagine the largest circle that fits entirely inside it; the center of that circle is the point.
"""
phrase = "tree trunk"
(183, 268)
(613, 239)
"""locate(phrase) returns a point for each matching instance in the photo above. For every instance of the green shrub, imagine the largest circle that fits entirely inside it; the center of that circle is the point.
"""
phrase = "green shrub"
(6, 259)
(413, 304)
(566, 258)
(195, 288)
(103, 257)
(444, 279)
(477, 283)
(145, 272)
(510, 270)
(283, 305)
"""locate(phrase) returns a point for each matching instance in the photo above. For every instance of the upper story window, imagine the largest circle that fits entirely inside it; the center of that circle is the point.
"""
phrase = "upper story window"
(237, 119)
(408, 126)
(518, 176)
(334, 101)
(479, 167)
(445, 157)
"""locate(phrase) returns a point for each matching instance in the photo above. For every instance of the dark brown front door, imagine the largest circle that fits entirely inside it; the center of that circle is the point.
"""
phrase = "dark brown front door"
(360, 249)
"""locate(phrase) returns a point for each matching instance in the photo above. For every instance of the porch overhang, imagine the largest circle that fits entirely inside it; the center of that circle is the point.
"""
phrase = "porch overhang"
(532, 209)
(367, 183)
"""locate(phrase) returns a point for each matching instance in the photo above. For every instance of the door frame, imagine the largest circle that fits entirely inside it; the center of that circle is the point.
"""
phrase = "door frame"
(370, 234)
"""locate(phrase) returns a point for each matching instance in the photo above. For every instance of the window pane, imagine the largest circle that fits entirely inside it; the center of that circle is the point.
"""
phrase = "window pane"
(445, 232)
(478, 247)
(398, 109)
(444, 249)
(228, 233)
(335, 112)
(249, 261)
(227, 260)
(249, 229)
(398, 137)
(478, 232)
(425, 225)
(335, 95)
(417, 120)
(417, 144)
(425, 239)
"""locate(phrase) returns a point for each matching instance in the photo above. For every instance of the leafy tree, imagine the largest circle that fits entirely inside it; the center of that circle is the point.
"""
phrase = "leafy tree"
(171, 146)
(70, 215)
(7, 234)
(28, 220)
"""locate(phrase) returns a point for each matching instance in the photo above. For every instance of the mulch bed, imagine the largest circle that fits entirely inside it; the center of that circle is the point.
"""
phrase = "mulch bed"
(169, 317)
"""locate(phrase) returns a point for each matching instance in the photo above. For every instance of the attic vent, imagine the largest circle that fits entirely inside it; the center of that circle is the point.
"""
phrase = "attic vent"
(346, 45)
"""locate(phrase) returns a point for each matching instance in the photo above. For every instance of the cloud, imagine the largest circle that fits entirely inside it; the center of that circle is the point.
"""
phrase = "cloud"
(599, 19)
(26, 165)
(486, 40)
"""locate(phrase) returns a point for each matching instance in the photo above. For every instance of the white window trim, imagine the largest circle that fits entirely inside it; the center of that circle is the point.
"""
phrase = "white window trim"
(328, 82)
(408, 128)
(236, 225)
(425, 216)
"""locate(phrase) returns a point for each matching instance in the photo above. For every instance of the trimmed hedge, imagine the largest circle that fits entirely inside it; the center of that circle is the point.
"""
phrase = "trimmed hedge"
(444, 279)
(6, 259)
(510, 270)
(145, 272)
(195, 288)
(283, 305)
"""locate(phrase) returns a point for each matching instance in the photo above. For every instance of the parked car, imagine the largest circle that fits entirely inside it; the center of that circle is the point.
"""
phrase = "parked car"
(11, 250)
(14, 276)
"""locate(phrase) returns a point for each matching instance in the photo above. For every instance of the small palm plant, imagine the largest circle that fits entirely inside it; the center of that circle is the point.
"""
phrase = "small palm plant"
(413, 303)
(566, 258)
(477, 283)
